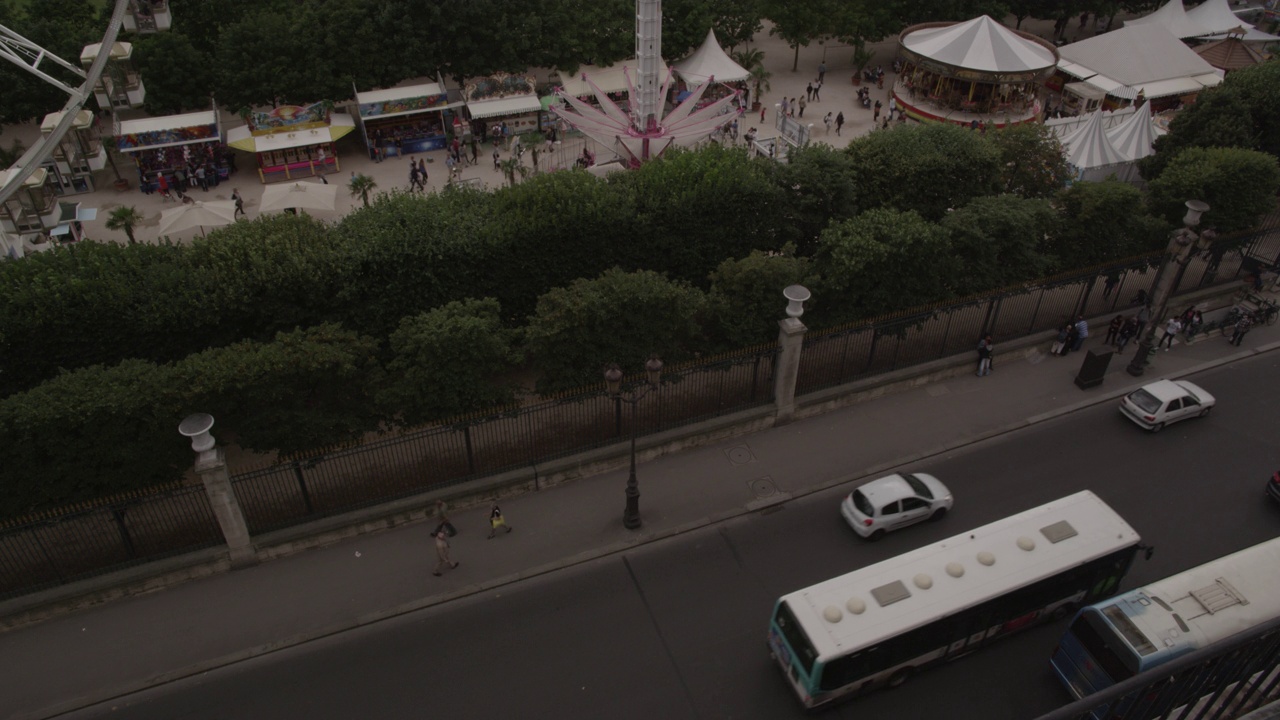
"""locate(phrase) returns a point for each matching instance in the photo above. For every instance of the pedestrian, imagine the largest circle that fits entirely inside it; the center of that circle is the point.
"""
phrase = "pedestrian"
(1061, 341)
(1113, 279)
(803, 104)
(817, 90)
(1242, 329)
(445, 524)
(451, 165)
(415, 183)
(763, 107)
(808, 92)
(985, 349)
(475, 150)
(827, 120)
(497, 159)
(839, 122)
(893, 106)
(442, 553)
(201, 180)
(1144, 316)
(1127, 331)
(496, 520)
(1082, 332)
(875, 113)
(239, 201)
(1073, 337)
(162, 184)
(793, 108)
(1171, 330)
(785, 106)
(1113, 330)
(822, 72)
(1192, 326)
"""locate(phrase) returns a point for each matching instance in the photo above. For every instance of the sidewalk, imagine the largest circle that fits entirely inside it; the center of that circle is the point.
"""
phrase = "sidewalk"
(130, 644)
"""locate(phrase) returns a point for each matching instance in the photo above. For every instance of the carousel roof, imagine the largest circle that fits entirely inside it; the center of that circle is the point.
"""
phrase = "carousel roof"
(1135, 138)
(710, 61)
(1229, 54)
(1135, 58)
(979, 44)
(1088, 147)
(1172, 16)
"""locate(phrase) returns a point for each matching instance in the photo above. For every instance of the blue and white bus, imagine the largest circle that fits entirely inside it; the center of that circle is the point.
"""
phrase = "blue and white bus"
(1115, 639)
(875, 626)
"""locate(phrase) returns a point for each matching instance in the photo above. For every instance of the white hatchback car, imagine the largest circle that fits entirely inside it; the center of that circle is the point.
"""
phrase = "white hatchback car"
(1166, 401)
(893, 502)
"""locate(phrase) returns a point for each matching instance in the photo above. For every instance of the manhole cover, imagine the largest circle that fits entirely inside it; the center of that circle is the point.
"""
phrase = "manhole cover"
(739, 455)
(763, 487)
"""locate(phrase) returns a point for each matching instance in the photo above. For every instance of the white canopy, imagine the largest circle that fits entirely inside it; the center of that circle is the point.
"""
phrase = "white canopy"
(1111, 119)
(1088, 147)
(1172, 16)
(1135, 58)
(143, 126)
(609, 79)
(504, 106)
(1135, 138)
(980, 44)
(710, 61)
(242, 139)
(1216, 17)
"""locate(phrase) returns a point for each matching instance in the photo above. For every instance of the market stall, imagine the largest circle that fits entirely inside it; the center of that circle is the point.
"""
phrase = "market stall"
(176, 144)
(292, 141)
(405, 120)
(502, 101)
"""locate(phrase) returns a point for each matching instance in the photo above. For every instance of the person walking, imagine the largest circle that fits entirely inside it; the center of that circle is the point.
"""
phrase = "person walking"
(201, 180)
(827, 120)
(162, 184)
(1144, 316)
(1082, 332)
(415, 183)
(445, 524)
(817, 90)
(808, 92)
(451, 165)
(839, 122)
(822, 72)
(985, 347)
(803, 104)
(497, 159)
(1171, 330)
(875, 114)
(763, 107)
(1242, 328)
(496, 520)
(1113, 330)
(239, 201)
(442, 553)
(1127, 331)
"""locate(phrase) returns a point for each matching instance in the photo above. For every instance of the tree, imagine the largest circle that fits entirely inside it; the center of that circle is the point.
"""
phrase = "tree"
(510, 167)
(799, 22)
(360, 186)
(618, 317)
(746, 300)
(125, 218)
(753, 62)
(1100, 222)
(1031, 159)
(880, 261)
(997, 241)
(820, 185)
(169, 90)
(1239, 185)
(448, 362)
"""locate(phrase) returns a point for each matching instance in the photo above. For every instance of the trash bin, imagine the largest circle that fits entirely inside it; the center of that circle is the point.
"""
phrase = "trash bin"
(1093, 369)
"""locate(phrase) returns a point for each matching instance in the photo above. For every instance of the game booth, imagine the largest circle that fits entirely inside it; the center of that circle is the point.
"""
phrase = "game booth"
(502, 99)
(292, 141)
(406, 120)
(175, 142)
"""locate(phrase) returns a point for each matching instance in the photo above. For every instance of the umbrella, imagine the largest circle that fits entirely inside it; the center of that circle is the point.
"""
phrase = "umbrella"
(311, 196)
(199, 214)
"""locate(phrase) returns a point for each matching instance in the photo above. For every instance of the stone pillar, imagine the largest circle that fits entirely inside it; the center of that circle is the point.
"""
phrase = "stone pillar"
(790, 343)
(211, 466)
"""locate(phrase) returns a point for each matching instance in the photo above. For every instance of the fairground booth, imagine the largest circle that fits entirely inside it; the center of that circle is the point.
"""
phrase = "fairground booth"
(502, 99)
(292, 141)
(405, 120)
(175, 142)
(978, 72)
(78, 154)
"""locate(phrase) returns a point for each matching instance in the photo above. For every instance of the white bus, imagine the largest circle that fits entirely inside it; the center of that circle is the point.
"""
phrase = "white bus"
(877, 625)
(1114, 640)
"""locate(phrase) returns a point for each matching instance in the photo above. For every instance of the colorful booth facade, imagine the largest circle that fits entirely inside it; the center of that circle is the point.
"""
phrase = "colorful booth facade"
(174, 144)
(404, 121)
(503, 100)
(292, 141)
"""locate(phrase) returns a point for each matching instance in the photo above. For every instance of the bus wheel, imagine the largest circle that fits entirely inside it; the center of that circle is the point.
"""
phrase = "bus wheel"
(900, 677)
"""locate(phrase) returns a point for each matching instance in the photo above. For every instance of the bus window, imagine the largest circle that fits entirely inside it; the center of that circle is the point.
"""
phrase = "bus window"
(799, 642)
(1092, 641)
(1129, 631)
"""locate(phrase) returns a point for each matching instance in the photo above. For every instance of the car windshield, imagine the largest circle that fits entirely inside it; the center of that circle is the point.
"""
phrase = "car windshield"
(861, 502)
(918, 486)
(1145, 401)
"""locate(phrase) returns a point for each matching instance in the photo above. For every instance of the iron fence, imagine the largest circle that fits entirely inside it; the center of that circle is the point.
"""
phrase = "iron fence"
(58, 548)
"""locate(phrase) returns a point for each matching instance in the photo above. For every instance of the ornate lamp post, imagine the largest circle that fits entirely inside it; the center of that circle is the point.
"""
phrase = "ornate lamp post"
(613, 381)
(1184, 241)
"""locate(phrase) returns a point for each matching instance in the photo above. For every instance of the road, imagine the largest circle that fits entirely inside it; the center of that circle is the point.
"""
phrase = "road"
(676, 629)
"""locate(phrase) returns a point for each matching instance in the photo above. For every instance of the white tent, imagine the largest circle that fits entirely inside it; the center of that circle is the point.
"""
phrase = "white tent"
(1216, 17)
(1090, 151)
(1111, 119)
(609, 79)
(708, 62)
(1172, 16)
(1138, 58)
(980, 44)
(1135, 138)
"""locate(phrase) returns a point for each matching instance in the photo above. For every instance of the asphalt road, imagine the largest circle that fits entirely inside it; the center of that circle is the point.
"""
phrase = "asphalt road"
(676, 629)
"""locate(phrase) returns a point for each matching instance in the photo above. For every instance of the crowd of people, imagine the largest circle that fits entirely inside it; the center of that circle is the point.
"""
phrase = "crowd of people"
(171, 171)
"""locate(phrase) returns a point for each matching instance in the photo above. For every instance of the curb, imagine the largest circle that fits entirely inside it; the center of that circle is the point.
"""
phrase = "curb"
(757, 506)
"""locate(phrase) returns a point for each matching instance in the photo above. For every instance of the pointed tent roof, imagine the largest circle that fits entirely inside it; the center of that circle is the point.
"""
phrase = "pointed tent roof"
(1229, 54)
(1134, 139)
(1139, 57)
(710, 61)
(1215, 16)
(1088, 147)
(1172, 16)
(979, 44)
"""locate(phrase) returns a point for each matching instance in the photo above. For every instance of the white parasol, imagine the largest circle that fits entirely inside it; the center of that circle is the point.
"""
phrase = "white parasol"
(198, 214)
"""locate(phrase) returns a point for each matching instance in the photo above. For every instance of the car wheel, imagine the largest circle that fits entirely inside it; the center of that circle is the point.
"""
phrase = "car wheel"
(900, 677)
(938, 515)
(876, 535)
(1157, 427)
(1205, 412)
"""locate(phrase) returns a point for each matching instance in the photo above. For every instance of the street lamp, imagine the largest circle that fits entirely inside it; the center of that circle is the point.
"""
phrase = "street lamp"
(1181, 245)
(613, 381)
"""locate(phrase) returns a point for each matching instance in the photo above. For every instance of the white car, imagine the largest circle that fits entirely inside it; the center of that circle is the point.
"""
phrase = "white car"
(1166, 401)
(893, 502)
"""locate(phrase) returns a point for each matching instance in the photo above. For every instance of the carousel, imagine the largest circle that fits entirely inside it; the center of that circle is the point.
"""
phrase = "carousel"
(975, 73)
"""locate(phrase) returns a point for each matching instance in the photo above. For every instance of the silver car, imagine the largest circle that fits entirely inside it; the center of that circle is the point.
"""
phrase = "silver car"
(893, 502)
(1166, 401)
